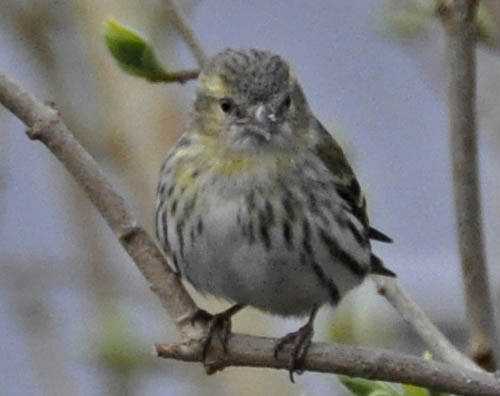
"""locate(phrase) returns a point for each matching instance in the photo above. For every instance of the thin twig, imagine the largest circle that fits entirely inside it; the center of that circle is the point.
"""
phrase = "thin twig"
(46, 125)
(185, 30)
(245, 350)
(458, 18)
(428, 332)
(182, 76)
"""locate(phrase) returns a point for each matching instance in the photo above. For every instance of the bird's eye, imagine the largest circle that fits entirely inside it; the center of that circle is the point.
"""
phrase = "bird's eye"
(226, 105)
(287, 102)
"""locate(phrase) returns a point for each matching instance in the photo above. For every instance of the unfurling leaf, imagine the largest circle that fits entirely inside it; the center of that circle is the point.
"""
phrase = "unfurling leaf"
(133, 54)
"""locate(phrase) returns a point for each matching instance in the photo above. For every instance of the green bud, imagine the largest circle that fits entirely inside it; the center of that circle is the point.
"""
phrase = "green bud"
(133, 54)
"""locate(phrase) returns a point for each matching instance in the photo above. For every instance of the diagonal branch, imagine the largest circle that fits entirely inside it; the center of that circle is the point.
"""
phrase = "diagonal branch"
(423, 326)
(46, 125)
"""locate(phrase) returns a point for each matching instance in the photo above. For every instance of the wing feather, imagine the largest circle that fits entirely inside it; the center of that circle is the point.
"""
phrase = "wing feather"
(348, 188)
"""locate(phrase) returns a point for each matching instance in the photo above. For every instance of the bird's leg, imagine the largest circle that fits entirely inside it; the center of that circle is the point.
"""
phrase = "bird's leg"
(219, 324)
(300, 341)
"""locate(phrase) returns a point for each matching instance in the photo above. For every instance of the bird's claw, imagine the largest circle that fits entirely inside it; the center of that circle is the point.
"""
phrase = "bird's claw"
(219, 324)
(200, 316)
(300, 341)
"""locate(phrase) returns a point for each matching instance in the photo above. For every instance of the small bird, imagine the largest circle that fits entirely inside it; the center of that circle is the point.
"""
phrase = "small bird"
(256, 202)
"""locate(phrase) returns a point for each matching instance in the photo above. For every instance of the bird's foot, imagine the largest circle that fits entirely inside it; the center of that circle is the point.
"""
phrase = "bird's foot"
(219, 324)
(300, 341)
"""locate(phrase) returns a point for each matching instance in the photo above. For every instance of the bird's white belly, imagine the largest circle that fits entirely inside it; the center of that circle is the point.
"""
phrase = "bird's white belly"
(221, 261)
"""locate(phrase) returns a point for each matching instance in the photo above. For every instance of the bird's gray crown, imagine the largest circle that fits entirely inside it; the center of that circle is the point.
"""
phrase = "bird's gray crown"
(253, 73)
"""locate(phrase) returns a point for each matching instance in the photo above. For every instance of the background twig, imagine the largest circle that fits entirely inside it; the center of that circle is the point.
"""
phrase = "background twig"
(428, 332)
(458, 19)
(185, 30)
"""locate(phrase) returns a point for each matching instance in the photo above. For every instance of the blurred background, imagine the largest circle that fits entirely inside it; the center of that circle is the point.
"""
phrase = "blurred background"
(76, 317)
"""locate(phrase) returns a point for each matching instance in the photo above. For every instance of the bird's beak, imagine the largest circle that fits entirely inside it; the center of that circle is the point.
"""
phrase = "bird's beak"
(260, 122)
(263, 120)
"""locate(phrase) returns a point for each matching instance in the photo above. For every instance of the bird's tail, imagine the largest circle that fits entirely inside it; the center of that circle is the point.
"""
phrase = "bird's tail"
(377, 267)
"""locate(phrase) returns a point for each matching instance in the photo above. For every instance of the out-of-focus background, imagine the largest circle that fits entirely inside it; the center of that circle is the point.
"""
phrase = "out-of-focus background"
(76, 318)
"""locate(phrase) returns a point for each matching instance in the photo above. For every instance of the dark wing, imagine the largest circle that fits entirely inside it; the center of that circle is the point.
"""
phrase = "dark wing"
(348, 188)
(347, 185)
(377, 235)
(377, 267)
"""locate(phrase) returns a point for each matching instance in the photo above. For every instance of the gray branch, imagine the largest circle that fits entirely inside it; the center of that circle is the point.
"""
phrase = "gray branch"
(245, 350)
(458, 18)
(428, 332)
(46, 125)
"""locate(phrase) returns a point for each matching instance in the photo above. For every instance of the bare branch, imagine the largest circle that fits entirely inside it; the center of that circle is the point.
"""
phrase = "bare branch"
(458, 18)
(423, 326)
(186, 31)
(244, 350)
(46, 125)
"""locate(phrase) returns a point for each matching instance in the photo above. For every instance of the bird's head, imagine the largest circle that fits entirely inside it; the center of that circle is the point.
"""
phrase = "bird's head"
(250, 101)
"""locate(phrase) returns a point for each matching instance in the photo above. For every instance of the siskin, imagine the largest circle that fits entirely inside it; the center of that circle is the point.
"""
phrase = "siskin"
(257, 203)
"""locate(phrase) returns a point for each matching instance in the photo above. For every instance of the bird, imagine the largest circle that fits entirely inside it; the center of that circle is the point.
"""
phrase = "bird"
(257, 203)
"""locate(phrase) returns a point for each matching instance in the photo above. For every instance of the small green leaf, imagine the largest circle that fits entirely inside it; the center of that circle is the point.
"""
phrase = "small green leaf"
(364, 387)
(412, 390)
(134, 54)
